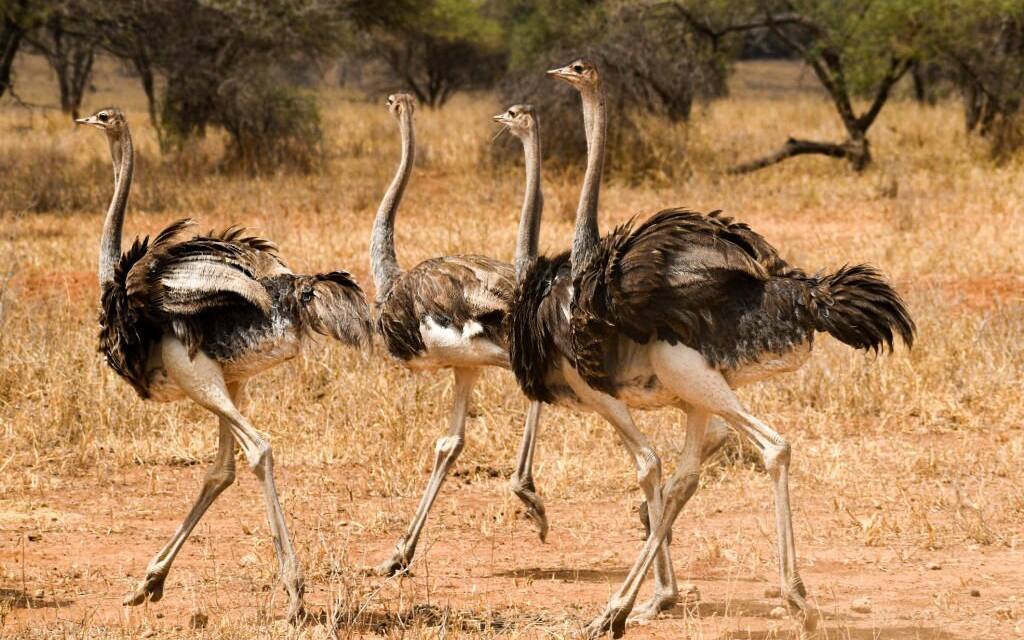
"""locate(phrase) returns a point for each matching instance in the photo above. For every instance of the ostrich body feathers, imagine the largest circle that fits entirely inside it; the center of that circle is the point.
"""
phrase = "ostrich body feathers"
(224, 293)
(705, 281)
(448, 310)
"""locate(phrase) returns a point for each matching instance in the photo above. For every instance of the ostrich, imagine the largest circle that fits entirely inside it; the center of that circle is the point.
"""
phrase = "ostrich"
(445, 312)
(197, 318)
(679, 311)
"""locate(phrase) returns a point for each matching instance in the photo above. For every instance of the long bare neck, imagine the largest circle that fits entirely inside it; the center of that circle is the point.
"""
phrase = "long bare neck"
(533, 207)
(383, 262)
(586, 235)
(123, 155)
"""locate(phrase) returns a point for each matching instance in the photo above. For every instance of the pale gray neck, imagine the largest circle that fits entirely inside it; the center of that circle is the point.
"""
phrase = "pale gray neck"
(533, 206)
(383, 262)
(123, 156)
(586, 235)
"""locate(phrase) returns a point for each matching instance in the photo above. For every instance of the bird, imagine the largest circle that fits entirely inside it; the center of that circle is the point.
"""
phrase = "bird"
(444, 313)
(680, 310)
(196, 318)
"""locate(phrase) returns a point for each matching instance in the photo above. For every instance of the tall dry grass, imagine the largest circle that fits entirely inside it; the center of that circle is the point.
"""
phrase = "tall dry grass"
(900, 431)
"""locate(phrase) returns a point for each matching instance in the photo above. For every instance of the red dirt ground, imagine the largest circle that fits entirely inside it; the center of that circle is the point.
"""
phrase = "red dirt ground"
(77, 550)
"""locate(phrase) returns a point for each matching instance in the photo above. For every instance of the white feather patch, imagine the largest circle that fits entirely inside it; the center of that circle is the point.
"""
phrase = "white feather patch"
(454, 346)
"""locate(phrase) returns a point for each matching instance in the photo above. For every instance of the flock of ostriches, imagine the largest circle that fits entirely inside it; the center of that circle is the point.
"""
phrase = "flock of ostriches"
(678, 310)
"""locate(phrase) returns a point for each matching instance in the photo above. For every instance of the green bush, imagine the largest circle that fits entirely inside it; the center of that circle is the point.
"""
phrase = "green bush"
(271, 125)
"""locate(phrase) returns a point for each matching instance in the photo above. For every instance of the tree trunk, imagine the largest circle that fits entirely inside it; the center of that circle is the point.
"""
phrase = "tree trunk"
(71, 58)
(920, 84)
(11, 34)
(81, 71)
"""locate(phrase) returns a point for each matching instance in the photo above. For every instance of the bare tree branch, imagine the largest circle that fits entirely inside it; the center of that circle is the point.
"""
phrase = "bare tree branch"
(793, 147)
(898, 67)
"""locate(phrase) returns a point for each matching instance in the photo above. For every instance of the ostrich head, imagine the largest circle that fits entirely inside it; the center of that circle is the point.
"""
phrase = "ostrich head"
(399, 103)
(519, 119)
(581, 74)
(111, 120)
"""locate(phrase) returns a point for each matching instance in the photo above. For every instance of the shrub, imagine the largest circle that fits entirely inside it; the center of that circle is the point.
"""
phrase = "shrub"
(270, 124)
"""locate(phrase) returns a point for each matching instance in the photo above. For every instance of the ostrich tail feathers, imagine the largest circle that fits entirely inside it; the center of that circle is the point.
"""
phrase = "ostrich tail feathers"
(332, 304)
(857, 306)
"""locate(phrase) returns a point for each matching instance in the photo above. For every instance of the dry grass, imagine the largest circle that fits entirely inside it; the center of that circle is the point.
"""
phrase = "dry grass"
(897, 459)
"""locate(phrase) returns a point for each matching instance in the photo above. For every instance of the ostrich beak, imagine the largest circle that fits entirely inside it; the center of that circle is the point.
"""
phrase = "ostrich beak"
(90, 121)
(501, 119)
(562, 73)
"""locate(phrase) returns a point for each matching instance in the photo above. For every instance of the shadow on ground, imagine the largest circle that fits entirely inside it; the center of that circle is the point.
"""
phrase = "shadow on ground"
(847, 633)
(388, 622)
(565, 575)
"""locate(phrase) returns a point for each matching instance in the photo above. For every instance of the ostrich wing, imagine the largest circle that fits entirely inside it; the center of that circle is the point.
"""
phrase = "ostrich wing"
(666, 278)
(468, 292)
(215, 270)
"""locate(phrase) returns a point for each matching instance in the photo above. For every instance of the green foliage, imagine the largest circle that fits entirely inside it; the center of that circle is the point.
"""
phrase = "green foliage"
(653, 66)
(981, 45)
(436, 48)
(271, 125)
(219, 58)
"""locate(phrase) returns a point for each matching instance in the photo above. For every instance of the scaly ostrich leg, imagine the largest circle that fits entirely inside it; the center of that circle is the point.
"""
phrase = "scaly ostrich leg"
(522, 481)
(202, 380)
(446, 452)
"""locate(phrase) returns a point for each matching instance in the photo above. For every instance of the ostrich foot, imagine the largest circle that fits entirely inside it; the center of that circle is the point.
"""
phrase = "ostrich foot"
(796, 602)
(649, 610)
(150, 590)
(397, 564)
(613, 619)
(527, 492)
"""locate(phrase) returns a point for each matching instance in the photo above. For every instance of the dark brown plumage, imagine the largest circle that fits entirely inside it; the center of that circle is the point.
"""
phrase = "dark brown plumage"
(217, 292)
(538, 327)
(719, 288)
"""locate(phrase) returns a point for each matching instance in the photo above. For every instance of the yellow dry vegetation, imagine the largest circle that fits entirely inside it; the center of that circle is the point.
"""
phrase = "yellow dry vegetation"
(896, 459)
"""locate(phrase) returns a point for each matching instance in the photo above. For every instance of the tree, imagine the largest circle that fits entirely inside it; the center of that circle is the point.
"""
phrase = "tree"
(206, 51)
(982, 42)
(436, 48)
(652, 65)
(64, 40)
(854, 47)
(16, 19)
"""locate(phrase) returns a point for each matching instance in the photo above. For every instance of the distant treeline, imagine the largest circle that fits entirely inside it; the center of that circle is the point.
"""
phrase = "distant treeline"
(241, 65)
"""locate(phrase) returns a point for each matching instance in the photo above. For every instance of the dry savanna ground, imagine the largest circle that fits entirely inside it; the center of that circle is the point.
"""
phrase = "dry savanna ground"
(907, 480)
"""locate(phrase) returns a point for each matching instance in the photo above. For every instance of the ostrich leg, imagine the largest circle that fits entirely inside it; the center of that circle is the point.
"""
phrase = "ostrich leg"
(688, 375)
(447, 451)
(680, 486)
(218, 478)
(776, 454)
(202, 380)
(716, 435)
(522, 481)
(648, 472)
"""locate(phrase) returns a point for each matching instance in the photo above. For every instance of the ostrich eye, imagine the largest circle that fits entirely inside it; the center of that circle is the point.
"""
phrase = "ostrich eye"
(103, 117)
(578, 68)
